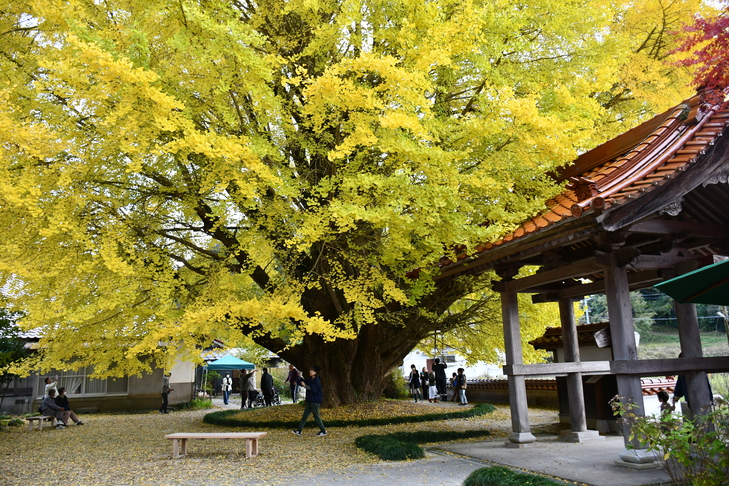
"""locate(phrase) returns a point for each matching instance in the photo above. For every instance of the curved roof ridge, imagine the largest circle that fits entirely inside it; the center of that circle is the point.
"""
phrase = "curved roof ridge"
(662, 149)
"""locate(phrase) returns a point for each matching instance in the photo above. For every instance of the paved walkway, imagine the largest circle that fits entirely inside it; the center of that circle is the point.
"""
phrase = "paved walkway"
(591, 463)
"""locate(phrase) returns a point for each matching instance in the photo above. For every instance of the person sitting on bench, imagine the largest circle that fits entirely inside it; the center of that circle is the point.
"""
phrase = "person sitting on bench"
(49, 408)
(62, 401)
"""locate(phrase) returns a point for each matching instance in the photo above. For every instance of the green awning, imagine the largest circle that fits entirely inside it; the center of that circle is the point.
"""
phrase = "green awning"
(707, 285)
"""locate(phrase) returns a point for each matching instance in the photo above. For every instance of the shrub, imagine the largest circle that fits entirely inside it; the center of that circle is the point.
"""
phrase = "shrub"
(389, 448)
(401, 446)
(686, 449)
(198, 404)
(9, 421)
(502, 476)
(396, 386)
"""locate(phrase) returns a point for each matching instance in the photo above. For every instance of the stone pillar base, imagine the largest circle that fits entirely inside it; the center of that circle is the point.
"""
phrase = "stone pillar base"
(580, 436)
(633, 465)
(520, 440)
(638, 456)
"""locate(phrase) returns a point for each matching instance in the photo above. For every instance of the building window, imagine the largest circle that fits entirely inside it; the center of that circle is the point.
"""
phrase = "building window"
(80, 383)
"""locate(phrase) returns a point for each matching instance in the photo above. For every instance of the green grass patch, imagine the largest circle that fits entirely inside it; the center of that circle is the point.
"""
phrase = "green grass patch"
(197, 404)
(502, 476)
(401, 446)
(232, 418)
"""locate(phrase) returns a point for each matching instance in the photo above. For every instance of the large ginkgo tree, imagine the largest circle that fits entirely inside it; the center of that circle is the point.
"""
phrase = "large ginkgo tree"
(173, 171)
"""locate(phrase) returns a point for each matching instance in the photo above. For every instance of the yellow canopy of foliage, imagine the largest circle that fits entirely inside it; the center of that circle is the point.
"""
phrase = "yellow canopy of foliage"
(176, 171)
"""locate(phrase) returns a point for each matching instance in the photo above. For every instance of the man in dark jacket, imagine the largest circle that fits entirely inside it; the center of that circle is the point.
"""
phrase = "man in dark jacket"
(440, 377)
(267, 386)
(62, 401)
(314, 398)
(49, 408)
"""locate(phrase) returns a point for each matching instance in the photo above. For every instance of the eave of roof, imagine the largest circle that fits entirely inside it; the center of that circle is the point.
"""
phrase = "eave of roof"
(622, 169)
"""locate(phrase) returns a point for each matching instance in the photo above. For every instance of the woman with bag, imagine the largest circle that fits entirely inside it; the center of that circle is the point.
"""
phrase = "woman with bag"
(415, 383)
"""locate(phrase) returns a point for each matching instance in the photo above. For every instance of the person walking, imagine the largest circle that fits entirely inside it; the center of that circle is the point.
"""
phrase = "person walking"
(293, 380)
(165, 392)
(267, 387)
(227, 387)
(440, 377)
(314, 399)
(462, 386)
(415, 383)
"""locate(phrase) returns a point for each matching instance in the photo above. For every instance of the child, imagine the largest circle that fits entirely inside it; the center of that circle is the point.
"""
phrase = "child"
(666, 408)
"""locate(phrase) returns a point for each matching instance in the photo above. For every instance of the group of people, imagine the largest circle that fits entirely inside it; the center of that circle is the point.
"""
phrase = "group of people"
(55, 404)
(433, 383)
(249, 392)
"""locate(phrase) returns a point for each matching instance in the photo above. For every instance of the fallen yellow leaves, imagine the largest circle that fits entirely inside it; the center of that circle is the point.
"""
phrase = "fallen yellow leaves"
(130, 449)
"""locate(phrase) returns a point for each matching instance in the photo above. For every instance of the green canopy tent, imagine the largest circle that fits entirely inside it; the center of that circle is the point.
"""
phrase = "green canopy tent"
(230, 363)
(707, 285)
(227, 363)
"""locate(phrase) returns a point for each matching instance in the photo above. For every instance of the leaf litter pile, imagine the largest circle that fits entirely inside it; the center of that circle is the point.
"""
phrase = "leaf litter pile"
(131, 449)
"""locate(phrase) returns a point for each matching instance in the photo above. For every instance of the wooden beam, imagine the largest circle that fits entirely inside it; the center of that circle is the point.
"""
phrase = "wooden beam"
(559, 369)
(575, 270)
(636, 281)
(673, 227)
(639, 367)
(663, 367)
(652, 262)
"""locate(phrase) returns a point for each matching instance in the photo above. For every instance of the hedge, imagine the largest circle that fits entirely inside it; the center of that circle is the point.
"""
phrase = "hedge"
(401, 446)
(502, 476)
(228, 418)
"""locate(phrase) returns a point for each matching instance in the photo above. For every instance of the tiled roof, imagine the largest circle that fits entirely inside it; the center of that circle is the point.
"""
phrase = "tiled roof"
(33, 334)
(628, 166)
(552, 337)
(651, 386)
(502, 384)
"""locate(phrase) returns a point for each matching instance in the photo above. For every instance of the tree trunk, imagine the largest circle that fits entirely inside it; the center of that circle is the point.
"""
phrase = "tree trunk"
(354, 370)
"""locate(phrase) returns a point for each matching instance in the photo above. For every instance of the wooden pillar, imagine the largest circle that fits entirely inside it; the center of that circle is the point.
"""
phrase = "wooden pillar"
(575, 392)
(521, 435)
(698, 393)
(622, 334)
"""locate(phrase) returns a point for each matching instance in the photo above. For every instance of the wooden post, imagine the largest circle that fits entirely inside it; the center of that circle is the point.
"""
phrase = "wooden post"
(697, 384)
(575, 392)
(622, 334)
(521, 435)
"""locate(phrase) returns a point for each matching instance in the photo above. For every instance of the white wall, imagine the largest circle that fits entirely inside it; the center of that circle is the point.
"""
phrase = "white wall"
(419, 359)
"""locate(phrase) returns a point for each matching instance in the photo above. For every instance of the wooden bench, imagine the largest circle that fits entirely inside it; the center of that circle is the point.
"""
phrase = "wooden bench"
(179, 440)
(40, 419)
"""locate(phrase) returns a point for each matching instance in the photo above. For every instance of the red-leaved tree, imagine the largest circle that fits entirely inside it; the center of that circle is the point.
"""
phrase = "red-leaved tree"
(707, 40)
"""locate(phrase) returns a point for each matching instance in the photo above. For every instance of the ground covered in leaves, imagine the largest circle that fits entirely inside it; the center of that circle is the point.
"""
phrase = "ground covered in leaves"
(131, 449)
